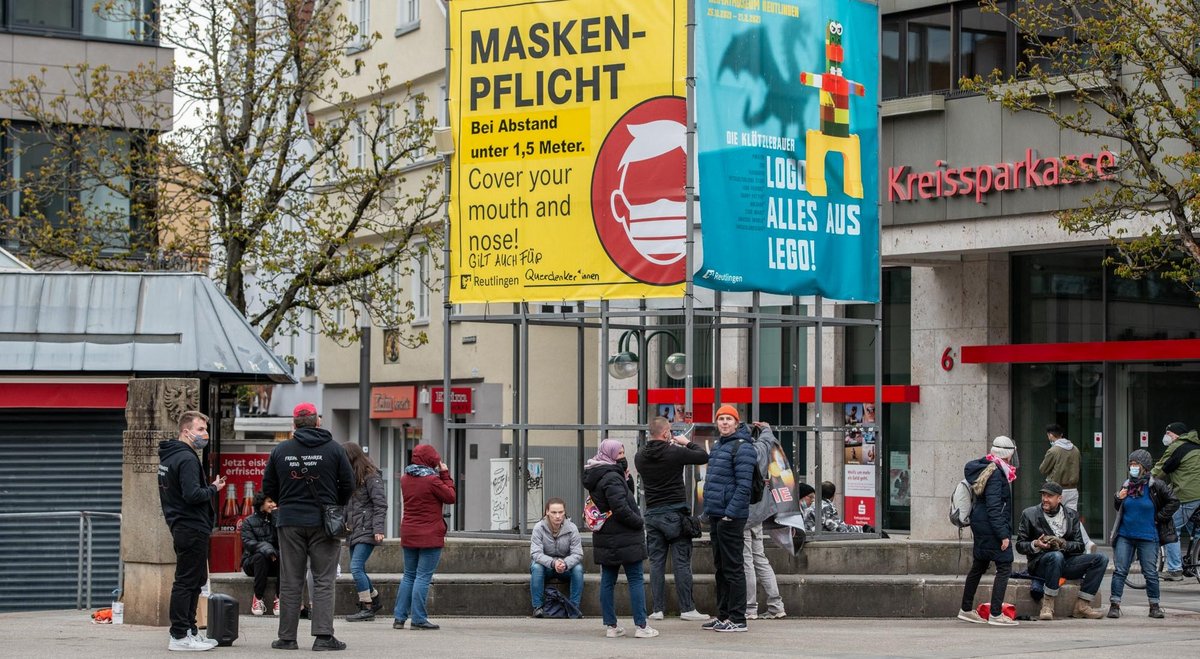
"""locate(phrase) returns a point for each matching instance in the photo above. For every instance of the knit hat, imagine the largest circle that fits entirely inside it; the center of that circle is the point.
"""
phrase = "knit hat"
(1142, 457)
(803, 490)
(1177, 427)
(1003, 447)
(727, 409)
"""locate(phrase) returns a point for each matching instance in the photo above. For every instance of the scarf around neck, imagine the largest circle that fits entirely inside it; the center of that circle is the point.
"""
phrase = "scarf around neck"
(1058, 523)
(1010, 472)
(1136, 486)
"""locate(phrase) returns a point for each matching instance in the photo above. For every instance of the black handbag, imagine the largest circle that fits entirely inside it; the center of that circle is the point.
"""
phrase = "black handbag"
(333, 518)
(690, 526)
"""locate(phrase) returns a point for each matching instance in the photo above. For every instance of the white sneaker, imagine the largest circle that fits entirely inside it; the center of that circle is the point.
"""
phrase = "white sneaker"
(774, 616)
(257, 607)
(692, 615)
(646, 632)
(203, 640)
(186, 644)
(1002, 621)
(658, 615)
(276, 610)
(751, 615)
(616, 631)
(971, 616)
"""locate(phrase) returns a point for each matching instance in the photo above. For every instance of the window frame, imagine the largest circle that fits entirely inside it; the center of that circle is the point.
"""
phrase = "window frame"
(422, 264)
(148, 32)
(408, 16)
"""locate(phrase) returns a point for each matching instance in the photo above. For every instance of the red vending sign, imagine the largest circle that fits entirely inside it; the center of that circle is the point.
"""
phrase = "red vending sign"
(243, 474)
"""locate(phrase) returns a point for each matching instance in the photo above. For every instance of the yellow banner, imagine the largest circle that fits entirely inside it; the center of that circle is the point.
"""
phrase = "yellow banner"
(569, 165)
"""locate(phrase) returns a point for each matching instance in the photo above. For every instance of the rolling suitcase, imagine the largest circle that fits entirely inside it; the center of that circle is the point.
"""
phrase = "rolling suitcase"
(222, 619)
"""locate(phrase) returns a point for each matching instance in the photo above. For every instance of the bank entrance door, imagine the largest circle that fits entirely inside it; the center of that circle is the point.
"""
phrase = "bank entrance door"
(1149, 396)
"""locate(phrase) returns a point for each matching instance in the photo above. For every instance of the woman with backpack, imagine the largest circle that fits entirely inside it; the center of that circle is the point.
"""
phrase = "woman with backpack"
(367, 515)
(991, 480)
(1145, 520)
(621, 541)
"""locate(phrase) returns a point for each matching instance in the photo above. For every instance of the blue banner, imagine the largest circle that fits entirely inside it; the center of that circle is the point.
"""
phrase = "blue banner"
(787, 112)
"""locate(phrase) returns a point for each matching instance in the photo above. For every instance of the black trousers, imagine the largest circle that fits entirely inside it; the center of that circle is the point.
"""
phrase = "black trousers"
(999, 584)
(261, 568)
(191, 571)
(726, 537)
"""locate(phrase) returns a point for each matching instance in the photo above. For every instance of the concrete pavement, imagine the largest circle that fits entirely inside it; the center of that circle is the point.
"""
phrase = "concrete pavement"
(71, 634)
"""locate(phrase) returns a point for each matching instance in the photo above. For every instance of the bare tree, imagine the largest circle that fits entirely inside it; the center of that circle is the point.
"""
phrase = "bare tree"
(247, 181)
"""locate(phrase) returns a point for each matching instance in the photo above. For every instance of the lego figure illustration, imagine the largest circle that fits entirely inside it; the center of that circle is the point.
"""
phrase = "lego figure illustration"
(835, 121)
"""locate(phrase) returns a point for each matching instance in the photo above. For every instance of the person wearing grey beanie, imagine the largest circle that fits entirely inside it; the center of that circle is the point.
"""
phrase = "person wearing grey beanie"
(991, 529)
(1145, 506)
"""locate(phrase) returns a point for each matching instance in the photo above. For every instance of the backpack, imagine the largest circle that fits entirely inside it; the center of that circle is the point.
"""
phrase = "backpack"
(556, 605)
(963, 498)
(758, 484)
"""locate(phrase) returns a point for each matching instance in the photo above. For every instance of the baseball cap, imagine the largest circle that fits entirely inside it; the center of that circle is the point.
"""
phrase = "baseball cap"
(1050, 487)
(304, 409)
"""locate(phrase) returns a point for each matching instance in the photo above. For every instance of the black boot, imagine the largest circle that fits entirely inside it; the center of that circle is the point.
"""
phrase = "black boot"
(376, 602)
(364, 614)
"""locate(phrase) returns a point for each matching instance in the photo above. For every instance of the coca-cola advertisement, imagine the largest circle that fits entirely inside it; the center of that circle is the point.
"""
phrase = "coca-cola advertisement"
(243, 474)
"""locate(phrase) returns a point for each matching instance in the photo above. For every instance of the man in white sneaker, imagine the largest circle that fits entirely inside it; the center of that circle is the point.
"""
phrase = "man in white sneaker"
(660, 463)
(186, 499)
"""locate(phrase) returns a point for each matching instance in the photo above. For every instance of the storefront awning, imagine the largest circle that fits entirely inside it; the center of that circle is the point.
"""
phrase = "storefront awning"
(128, 323)
(1091, 351)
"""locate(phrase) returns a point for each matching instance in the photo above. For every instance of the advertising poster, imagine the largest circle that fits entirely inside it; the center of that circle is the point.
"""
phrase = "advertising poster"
(243, 474)
(859, 495)
(569, 166)
(788, 127)
(898, 477)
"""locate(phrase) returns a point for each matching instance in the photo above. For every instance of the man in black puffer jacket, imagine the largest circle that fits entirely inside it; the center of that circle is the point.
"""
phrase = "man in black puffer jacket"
(260, 552)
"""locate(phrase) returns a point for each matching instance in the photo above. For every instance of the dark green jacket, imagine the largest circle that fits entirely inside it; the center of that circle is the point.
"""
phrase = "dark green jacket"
(1185, 479)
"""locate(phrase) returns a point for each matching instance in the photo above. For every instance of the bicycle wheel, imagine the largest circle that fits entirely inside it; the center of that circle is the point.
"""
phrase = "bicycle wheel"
(1193, 560)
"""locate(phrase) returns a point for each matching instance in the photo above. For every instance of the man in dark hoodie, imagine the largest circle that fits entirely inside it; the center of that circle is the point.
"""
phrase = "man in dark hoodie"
(186, 499)
(727, 485)
(660, 463)
(309, 463)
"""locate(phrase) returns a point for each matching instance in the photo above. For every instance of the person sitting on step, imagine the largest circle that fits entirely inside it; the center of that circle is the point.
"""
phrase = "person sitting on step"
(1049, 534)
(556, 550)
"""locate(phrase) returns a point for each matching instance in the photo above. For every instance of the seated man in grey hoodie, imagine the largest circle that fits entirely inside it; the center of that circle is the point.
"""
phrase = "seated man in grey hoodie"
(557, 555)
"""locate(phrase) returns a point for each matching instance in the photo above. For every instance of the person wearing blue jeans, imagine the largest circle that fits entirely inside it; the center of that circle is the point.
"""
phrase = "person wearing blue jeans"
(419, 565)
(1145, 506)
(637, 594)
(1180, 467)
(1051, 535)
(556, 553)
(367, 515)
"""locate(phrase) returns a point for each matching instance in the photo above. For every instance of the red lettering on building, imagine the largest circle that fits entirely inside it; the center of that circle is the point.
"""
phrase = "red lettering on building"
(1032, 172)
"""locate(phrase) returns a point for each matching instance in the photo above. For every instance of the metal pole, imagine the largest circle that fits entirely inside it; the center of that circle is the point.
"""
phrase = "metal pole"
(879, 438)
(755, 339)
(604, 376)
(79, 568)
(643, 381)
(580, 404)
(794, 336)
(818, 421)
(523, 503)
(718, 307)
(689, 304)
(517, 394)
(364, 381)
(447, 308)
(88, 525)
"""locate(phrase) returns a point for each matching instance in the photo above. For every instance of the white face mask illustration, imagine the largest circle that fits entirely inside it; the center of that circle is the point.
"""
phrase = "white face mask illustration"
(657, 230)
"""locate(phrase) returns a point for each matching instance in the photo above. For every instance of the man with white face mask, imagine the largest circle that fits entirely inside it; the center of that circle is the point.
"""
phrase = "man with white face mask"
(1180, 466)
(649, 202)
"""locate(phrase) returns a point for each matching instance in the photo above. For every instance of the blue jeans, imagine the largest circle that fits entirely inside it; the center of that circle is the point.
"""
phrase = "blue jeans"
(540, 574)
(419, 565)
(637, 592)
(1182, 515)
(1147, 553)
(358, 566)
(1089, 568)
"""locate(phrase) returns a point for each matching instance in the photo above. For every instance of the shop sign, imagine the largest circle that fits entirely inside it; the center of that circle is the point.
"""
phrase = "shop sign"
(859, 496)
(393, 402)
(460, 400)
(243, 474)
(982, 180)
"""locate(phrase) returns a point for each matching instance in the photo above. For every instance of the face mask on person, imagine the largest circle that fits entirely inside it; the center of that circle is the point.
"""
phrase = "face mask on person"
(623, 463)
(1134, 472)
(200, 441)
(1166, 440)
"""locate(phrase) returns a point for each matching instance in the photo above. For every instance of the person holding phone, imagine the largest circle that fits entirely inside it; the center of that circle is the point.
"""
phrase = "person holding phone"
(187, 505)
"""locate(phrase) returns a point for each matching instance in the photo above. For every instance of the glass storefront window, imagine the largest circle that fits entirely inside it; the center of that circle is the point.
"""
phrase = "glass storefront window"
(890, 59)
(982, 43)
(1058, 297)
(929, 53)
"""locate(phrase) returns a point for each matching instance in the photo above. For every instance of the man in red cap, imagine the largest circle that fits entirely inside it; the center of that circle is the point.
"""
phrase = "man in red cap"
(304, 474)
(727, 484)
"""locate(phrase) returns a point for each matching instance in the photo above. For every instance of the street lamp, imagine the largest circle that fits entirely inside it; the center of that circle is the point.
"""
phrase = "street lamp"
(624, 364)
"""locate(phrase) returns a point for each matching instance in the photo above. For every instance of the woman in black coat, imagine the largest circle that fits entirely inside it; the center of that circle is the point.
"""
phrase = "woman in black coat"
(367, 515)
(991, 525)
(621, 542)
(260, 552)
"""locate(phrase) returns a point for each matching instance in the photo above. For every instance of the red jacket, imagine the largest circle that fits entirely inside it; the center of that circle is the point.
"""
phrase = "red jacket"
(422, 526)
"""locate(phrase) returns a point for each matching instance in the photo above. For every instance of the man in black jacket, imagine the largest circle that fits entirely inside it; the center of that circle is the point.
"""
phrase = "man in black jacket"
(660, 463)
(309, 463)
(186, 499)
(1050, 536)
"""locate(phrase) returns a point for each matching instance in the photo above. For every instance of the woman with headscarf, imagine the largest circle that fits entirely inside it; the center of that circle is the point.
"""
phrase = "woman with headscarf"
(427, 486)
(991, 478)
(1145, 510)
(621, 542)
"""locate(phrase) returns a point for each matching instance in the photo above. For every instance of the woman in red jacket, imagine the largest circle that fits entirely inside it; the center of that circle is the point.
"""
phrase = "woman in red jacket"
(427, 486)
